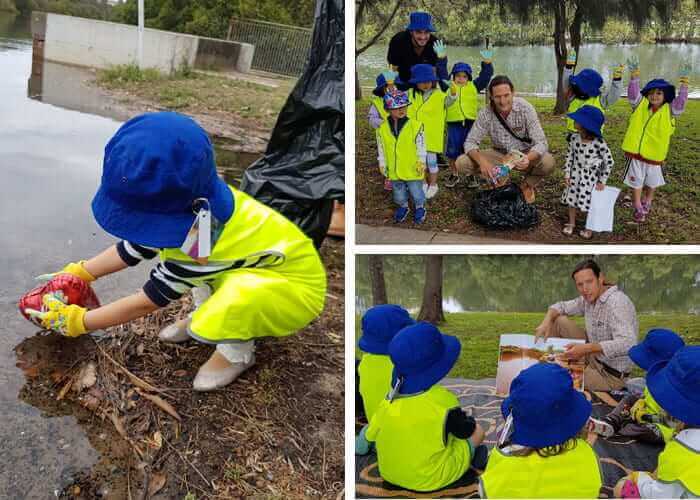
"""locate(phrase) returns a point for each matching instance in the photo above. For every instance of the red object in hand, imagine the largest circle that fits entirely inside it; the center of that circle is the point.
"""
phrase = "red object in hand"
(67, 287)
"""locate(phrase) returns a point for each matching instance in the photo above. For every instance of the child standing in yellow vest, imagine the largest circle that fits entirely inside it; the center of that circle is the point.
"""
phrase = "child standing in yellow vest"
(462, 105)
(651, 125)
(161, 194)
(676, 388)
(401, 155)
(376, 114)
(584, 89)
(424, 439)
(638, 415)
(427, 98)
(545, 457)
(379, 326)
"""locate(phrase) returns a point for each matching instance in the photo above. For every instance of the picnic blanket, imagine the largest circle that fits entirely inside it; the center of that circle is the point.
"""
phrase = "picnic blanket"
(618, 455)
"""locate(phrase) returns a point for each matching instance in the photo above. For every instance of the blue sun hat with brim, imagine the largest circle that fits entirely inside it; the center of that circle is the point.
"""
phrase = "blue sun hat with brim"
(659, 83)
(380, 324)
(659, 345)
(422, 73)
(420, 21)
(590, 118)
(461, 67)
(158, 170)
(676, 385)
(422, 356)
(546, 408)
(588, 80)
(379, 87)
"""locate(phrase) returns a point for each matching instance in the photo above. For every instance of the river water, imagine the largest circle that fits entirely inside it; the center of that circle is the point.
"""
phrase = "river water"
(533, 68)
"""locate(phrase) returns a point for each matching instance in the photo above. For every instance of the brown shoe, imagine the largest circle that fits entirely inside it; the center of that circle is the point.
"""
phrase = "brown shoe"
(528, 192)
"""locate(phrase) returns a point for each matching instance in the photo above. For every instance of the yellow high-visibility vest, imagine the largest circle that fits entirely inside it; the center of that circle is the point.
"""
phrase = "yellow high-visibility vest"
(378, 104)
(678, 462)
(466, 105)
(577, 103)
(649, 133)
(431, 113)
(375, 380)
(401, 153)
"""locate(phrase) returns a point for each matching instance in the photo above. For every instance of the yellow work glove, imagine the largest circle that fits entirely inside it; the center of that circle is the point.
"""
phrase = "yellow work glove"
(61, 318)
(420, 167)
(74, 268)
(638, 410)
(617, 71)
(453, 88)
(684, 74)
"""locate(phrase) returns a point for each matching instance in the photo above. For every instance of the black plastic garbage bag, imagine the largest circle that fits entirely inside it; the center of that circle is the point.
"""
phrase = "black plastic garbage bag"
(302, 171)
(504, 208)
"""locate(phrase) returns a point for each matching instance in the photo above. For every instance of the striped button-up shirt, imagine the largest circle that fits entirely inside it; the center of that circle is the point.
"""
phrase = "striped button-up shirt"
(611, 321)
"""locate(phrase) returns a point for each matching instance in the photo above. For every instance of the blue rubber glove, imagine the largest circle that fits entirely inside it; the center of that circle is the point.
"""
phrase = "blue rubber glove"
(362, 446)
(633, 65)
(571, 58)
(684, 74)
(390, 76)
(440, 49)
(486, 55)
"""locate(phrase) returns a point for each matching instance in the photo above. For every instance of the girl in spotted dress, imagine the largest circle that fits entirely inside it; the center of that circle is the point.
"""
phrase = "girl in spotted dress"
(588, 165)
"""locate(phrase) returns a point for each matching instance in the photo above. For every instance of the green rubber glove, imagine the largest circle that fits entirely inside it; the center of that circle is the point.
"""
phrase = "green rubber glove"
(440, 49)
(633, 65)
(486, 55)
(390, 76)
(684, 74)
(362, 446)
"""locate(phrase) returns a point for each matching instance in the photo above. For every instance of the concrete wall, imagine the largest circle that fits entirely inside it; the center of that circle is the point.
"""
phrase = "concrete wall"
(100, 44)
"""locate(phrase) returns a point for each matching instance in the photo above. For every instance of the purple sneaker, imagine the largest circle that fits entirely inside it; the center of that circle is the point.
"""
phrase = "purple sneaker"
(646, 206)
(639, 215)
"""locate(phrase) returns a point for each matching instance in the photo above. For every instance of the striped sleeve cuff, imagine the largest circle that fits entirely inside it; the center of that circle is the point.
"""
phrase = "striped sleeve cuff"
(132, 254)
(159, 295)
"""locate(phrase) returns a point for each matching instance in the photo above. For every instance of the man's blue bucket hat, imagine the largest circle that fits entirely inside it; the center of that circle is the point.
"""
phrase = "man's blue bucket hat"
(590, 118)
(157, 169)
(420, 21)
(380, 324)
(676, 385)
(422, 356)
(421, 73)
(588, 80)
(461, 67)
(659, 83)
(546, 408)
(659, 345)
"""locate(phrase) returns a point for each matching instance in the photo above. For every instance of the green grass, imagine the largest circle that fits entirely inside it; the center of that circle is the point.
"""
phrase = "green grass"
(128, 73)
(676, 215)
(479, 334)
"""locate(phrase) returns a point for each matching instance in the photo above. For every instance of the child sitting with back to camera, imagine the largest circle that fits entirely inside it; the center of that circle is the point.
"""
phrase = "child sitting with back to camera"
(648, 137)
(587, 167)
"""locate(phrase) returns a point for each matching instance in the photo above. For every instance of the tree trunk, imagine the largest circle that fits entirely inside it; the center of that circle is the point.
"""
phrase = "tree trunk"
(376, 274)
(358, 89)
(431, 309)
(560, 54)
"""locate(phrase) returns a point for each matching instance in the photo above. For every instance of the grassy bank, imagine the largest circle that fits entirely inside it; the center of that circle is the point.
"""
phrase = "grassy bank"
(480, 332)
(247, 104)
(676, 214)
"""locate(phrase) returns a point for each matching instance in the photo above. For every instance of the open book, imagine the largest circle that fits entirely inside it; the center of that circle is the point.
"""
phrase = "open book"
(518, 351)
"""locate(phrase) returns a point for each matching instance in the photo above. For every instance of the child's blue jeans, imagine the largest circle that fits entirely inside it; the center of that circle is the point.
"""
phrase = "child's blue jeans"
(402, 189)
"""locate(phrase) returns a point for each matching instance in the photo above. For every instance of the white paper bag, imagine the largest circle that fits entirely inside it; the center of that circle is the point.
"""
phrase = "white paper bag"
(600, 216)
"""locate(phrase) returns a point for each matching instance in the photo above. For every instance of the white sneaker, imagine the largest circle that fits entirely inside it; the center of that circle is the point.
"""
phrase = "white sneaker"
(215, 379)
(425, 188)
(431, 191)
(175, 333)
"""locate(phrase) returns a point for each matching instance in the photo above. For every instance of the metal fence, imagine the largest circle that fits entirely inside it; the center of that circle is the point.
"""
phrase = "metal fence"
(279, 48)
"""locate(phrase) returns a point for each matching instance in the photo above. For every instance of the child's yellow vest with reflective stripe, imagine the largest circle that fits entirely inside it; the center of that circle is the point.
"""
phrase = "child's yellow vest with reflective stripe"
(466, 105)
(649, 134)
(270, 257)
(401, 153)
(431, 112)
(576, 104)
(653, 408)
(572, 474)
(679, 463)
(375, 380)
(413, 449)
(378, 104)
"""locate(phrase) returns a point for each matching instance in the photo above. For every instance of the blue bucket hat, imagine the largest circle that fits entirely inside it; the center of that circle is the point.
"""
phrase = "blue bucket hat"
(396, 100)
(380, 324)
(659, 83)
(422, 356)
(421, 73)
(588, 80)
(676, 385)
(546, 408)
(460, 67)
(155, 169)
(380, 84)
(420, 21)
(659, 345)
(590, 118)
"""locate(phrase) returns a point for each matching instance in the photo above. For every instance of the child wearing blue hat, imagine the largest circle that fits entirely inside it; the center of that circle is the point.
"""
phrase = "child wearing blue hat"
(676, 388)
(379, 326)
(424, 439)
(638, 415)
(462, 106)
(401, 155)
(584, 89)
(427, 96)
(588, 165)
(648, 137)
(376, 113)
(160, 193)
(545, 457)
